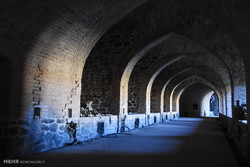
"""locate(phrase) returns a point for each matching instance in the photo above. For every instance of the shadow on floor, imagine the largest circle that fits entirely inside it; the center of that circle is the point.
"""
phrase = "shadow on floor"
(194, 142)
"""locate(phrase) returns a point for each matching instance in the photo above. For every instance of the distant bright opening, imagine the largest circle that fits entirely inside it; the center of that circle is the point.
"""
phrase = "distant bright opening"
(214, 105)
(199, 100)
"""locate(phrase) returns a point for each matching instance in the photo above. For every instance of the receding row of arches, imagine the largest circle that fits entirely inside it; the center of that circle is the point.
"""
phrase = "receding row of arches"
(156, 58)
(137, 86)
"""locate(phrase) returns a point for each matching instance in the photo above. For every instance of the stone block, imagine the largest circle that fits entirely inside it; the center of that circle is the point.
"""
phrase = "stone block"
(45, 127)
(42, 137)
(58, 140)
(48, 121)
(48, 137)
(62, 128)
(53, 127)
(40, 148)
(87, 132)
(79, 137)
(60, 121)
(62, 133)
(34, 125)
(92, 135)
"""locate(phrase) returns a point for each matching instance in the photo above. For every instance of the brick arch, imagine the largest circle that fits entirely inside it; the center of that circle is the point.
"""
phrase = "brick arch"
(178, 78)
(84, 45)
(228, 83)
(180, 88)
(151, 81)
(223, 68)
(35, 36)
(162, 91)
(126, 55)
(203, 99)
(128, 70)
(115, 103)
(56, 34)
(160, 65)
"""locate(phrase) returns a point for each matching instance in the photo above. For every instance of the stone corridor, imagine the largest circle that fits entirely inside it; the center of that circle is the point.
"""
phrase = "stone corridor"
(194, 142)
(74, 70)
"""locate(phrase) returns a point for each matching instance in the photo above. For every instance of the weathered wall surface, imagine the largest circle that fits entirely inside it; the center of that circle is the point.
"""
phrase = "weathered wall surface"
(189, 98)
(183, 67)
(237, 132)
(37, 135)
(47, 58)
(48, 43)
(23, 137)
(130, 122)
(100, 70)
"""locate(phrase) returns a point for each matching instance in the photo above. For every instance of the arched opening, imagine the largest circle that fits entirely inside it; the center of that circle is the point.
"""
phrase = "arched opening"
(128, 70)
(214, 105)
(57, 55)
(195, 100)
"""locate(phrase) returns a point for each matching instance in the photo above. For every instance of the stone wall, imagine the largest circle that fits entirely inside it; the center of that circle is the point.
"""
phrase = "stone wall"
(145, 120)
(22, 137)
(183, 66)
(156, 55)
(101, 66)
(130, 121)
(154, 118)
(165, 116)
(48, 44)
(172, 45)
(236, 131)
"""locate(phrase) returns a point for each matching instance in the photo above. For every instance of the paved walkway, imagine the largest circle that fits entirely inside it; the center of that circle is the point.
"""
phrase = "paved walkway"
(186, 142)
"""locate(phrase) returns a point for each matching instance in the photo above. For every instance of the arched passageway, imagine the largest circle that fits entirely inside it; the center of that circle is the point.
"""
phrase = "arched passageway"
(195, 103)
(74, 71)
(214, 105)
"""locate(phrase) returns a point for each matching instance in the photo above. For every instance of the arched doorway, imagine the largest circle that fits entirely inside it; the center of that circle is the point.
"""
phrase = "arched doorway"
(214, 105)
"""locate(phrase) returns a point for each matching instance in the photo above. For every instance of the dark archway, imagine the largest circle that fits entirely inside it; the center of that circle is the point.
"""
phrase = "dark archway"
(6, 70)
(192, 101)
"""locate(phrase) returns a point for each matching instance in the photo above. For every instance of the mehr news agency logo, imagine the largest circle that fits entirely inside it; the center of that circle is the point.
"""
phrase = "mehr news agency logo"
(17, 161)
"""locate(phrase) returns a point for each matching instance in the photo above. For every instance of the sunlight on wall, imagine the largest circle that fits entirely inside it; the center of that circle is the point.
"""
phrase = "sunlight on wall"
(205, 104)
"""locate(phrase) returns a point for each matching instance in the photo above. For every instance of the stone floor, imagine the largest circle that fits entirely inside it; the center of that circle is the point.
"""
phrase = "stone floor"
(189, 142)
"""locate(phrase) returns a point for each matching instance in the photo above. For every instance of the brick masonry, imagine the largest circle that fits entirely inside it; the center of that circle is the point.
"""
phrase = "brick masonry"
(45, 47)
(23, 137)
(236, 131)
